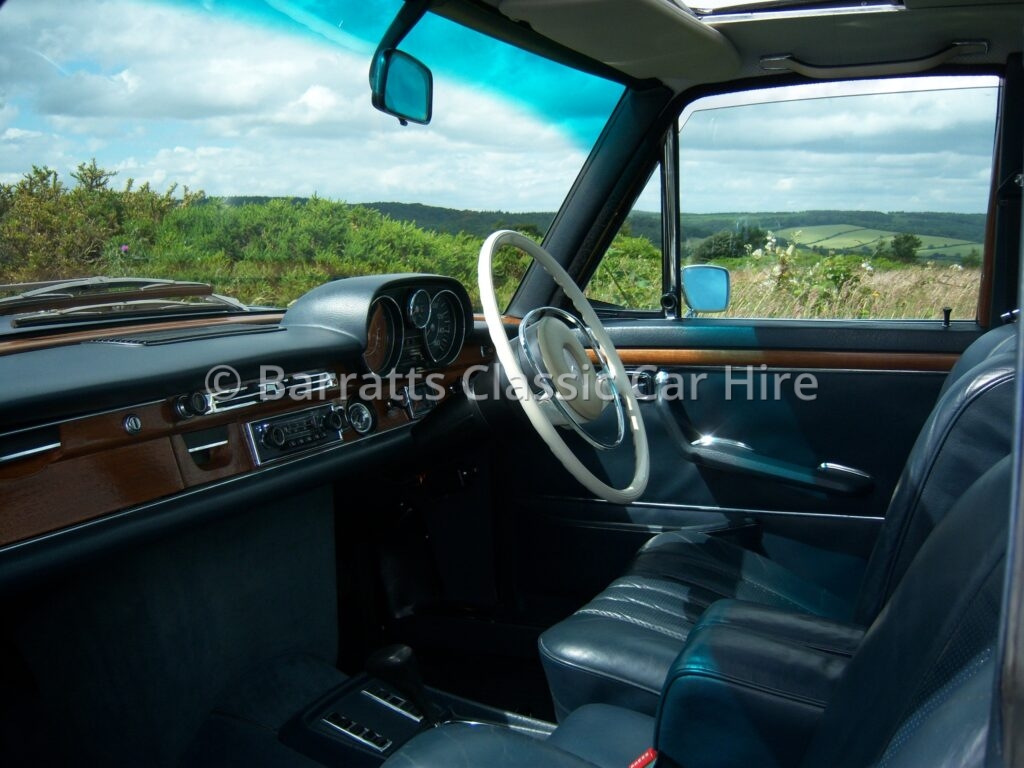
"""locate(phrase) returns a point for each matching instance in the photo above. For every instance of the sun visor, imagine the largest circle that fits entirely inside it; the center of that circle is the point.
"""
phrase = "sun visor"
(643, 38)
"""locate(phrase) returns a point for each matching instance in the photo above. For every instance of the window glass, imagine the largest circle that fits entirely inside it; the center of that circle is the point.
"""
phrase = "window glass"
(629, 274)
(843, 200)
(234, 143)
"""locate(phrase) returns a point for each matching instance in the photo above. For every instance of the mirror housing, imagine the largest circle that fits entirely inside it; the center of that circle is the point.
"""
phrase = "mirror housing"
(706, 288)
(402, 86)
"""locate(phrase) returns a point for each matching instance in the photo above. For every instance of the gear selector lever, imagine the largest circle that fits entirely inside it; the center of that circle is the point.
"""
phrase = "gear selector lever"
(396, 666)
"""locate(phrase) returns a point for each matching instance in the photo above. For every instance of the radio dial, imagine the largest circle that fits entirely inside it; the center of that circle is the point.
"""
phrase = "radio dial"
(183, 407)
(198, 403)
(334, 421)
(275, 437)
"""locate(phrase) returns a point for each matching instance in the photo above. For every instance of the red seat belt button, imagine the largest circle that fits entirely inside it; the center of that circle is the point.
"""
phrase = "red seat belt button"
(645, 759)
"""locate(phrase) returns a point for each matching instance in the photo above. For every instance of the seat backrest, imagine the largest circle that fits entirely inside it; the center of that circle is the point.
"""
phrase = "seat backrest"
(995, 342)
(969, 429)
(918, 690)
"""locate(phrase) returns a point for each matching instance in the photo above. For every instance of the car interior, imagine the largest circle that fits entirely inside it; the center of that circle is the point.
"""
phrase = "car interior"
(355, 531)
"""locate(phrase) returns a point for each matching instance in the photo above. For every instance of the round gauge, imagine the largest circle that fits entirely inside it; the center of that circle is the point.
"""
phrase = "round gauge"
(360, 417)
(445, 329)
(418, 310)
(383, 336)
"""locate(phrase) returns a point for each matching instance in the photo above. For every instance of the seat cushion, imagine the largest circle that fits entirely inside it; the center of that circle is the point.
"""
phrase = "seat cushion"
(595, 736)
(617, 649)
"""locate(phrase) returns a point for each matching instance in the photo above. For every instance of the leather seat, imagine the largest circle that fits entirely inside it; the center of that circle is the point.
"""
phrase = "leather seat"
(617, 649)
(917, 690)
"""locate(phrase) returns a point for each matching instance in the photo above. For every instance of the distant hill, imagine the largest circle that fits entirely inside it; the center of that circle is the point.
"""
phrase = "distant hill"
(967, 227)
(952, 227)
(452, 221)
(949, 234)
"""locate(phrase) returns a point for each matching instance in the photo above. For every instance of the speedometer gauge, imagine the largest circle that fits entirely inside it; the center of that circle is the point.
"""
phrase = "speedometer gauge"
(383, 336)
(418, 310)
(445, 329)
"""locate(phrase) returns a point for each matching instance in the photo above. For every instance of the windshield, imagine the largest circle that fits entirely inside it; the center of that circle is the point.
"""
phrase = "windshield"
(234, 143)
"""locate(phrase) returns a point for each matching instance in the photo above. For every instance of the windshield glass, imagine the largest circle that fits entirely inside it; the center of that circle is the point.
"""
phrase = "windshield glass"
(234, 143)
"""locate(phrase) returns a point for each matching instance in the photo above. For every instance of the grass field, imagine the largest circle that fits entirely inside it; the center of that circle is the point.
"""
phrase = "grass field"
(918, 292)
(846, 237)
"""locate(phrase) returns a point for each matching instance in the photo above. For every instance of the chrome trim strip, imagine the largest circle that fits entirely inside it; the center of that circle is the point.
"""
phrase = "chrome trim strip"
(710, 441)
(392, 707)
(826, 466)
(704, 508)
(29, 452)
(671, 275)
(360, 739)
(722, 18)
(208, 446)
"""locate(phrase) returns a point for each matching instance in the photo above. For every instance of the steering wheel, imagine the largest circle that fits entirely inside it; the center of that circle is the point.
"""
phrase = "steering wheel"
(553, 377)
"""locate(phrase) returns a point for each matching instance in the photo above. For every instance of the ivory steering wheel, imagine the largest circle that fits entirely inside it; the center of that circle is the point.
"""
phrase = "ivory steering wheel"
(553, 377)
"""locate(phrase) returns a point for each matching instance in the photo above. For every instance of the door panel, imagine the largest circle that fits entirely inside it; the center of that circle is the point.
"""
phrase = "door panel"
(875, 387)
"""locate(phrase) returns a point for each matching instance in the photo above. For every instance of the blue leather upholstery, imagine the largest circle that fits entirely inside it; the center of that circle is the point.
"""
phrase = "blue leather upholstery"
(736, 697)
(836, 637)
(617, 649)
(916, 692)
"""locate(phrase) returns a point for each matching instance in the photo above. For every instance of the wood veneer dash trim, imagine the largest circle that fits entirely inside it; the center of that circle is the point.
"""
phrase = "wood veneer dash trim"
(75, 490)
(822, 359)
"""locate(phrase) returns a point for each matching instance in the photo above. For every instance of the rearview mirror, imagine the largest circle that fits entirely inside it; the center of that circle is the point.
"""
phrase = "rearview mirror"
(706, 288)
(402, 86)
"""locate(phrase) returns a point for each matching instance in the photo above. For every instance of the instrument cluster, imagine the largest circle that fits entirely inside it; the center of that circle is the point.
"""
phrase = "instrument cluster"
(414, 328)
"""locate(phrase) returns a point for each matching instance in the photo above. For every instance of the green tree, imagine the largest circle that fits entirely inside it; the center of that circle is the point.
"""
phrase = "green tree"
(905, 247)
(721, 245)
(972, 260)
(729, 244)
(91, 177)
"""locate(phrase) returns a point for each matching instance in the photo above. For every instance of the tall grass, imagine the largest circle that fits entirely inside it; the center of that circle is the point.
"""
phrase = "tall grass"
(881, 294)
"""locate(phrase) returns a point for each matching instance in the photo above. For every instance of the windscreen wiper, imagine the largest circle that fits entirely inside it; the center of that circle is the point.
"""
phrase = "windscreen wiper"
(134, 308)
(63, 294)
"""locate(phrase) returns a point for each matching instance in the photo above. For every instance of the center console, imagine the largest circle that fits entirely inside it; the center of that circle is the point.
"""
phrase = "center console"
(360, 725)
(368, 718)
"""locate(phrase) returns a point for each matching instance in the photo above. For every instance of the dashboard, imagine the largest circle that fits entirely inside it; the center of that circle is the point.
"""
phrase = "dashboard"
(107, 425)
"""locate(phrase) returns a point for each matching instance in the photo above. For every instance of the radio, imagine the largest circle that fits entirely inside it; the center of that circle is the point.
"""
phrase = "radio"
(281, 436)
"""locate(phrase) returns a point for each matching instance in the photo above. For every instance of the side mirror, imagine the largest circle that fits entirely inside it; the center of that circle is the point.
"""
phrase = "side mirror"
(402, 86)
(706, 288)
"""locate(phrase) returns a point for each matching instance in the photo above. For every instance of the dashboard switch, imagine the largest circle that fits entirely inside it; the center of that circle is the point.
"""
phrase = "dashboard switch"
(361, 418)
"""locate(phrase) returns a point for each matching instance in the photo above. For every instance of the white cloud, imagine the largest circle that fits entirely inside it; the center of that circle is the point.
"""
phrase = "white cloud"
(166, 94)
(928, 150)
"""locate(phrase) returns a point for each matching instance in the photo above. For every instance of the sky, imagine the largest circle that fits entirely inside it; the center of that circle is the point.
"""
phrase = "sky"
(929, 149)
(242, 97)
(266, 98)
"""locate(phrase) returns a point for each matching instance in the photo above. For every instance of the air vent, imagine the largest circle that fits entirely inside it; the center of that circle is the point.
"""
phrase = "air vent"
(156, 338)
(298, 386)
